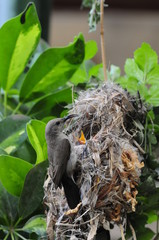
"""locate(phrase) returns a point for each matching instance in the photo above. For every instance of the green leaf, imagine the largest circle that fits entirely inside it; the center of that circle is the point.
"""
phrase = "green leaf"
(130, 84)
(32, 193)
(26, 152)
(2, 152)
(13, 132)
(147, 234)
(46, 105)
(8, 207)
(36, 135)
(146, 58)
(36, 224)
(151, 115)
(132, 70)
(152, 217)
(137, 218)
(90, 49)
(97, 71)
(147, 186)
(152, 199)
(153, 76)
(12, 173)
(152, 138)
(153, 97)
(12, 124)
(81, 75)
(52, 70)
(18, 39)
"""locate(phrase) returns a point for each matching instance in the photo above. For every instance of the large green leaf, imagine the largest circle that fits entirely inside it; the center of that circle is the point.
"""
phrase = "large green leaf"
(146, 58)
(97, 71)
(36, 224)
(46, 105)
(36, 135)
(8, 207)
(12, 173)
(52, 69)
(42, 46)
(13, 132)
(26, 152)
(32, 193)
(147, 234)
(18, 39)
(81, 75)
(90, 49)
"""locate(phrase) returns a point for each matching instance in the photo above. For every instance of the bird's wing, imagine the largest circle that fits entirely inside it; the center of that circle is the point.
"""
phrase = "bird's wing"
(61, 157)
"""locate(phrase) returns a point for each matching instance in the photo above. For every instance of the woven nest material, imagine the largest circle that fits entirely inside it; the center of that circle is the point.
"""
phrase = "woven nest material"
(109, 163)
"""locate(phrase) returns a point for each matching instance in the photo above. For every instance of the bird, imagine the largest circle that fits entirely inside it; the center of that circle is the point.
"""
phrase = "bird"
(61, 160)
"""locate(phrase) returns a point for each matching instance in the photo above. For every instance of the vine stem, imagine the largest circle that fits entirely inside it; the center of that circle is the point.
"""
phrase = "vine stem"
(122, 231)
(102, 39)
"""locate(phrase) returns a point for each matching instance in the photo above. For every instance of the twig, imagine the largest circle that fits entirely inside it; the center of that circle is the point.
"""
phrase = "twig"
(77, 225)
(122, 231)
(133, 231)
(139, 147)
(102, 39)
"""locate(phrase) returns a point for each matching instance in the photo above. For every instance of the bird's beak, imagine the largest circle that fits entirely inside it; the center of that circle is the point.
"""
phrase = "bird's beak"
(69, 116)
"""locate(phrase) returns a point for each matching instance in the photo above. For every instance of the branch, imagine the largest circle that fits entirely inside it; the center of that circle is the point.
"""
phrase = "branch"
(102, 39)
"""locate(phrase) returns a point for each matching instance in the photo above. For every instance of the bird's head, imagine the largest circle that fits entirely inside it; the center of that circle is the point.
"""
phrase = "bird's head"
(57, 125)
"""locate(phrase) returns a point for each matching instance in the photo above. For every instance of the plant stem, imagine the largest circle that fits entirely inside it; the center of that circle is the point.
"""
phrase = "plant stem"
(12, 236)
(17, 108)
(17, 222)
(5, 103)
(6, 236)
(102, 39)
(20, 236)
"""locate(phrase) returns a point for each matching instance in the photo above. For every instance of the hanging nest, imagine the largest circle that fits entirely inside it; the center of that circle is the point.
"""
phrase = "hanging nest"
(108, 168)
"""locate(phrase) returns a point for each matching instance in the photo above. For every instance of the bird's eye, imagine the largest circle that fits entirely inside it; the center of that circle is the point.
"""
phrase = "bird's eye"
(57, 123)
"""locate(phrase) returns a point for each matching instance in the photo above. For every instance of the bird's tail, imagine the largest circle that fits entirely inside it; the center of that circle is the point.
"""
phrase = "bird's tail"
(71, 190)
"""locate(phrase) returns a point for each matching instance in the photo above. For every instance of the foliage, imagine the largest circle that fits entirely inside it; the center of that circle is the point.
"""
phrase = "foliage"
(142, 80)
(142, 74)
(36, 82)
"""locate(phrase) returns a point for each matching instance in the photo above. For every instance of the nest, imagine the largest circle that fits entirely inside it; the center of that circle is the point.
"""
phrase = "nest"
(108, 168)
